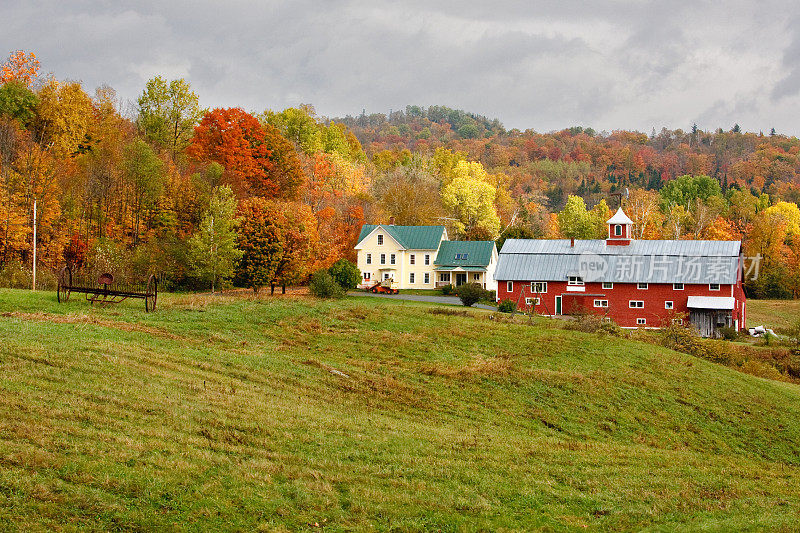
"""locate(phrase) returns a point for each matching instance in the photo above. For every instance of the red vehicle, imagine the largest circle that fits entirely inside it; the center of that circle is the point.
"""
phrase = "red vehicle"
(388, 286)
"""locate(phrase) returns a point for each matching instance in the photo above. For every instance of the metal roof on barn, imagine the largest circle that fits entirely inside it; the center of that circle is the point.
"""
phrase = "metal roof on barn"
(644, 261)
(409, 237)
(470, 253)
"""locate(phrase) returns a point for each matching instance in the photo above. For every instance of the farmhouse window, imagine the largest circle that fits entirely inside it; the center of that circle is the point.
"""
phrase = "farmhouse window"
(476, 277)
(427, 259)
(641, 285)
(412, 259)
(641, 321)
(383, 259)
(392, 259)
(636, 304)
(509, 286)
(369, 259)
(713, 286)
(380, 239)
(411, 278)
(677, 286)
(668, 304)
(538, 286)
(427, 277)
(366, 276)
(601, 303)
(575, 280)
(618, 230)
(444, 276)
(608, 285)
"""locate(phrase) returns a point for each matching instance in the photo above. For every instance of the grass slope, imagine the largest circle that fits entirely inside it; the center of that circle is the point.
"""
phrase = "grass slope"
(777, 314)
(230, 413)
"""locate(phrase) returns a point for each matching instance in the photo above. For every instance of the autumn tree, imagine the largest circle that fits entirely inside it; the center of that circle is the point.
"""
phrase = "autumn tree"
(299, 125)
(212, 249)
(18, 102)
(145, 171)
(410, 193)
(470, 200)
(297, 231)
(168, 113)
(64, 116)
(260, 241)
(20, 67)
(643, 207)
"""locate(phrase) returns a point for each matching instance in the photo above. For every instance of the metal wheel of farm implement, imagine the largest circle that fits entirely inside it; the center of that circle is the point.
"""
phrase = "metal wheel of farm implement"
(64, 284)
(151, 295)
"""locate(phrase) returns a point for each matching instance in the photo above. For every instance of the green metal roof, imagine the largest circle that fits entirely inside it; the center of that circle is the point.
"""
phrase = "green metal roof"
(409, 237)
(464, 268)
(469, 253)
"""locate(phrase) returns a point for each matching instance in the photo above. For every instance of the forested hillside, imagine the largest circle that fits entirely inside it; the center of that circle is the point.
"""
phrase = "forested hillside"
(264, 197)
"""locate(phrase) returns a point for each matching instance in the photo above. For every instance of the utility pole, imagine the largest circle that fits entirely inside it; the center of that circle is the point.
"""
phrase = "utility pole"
(33, 282)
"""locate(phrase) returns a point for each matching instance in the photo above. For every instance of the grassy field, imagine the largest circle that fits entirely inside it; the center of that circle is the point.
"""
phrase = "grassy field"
(235, 413)
(776, 314)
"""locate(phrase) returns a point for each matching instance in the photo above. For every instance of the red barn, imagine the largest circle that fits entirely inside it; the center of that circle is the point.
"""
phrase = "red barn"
(635, 283)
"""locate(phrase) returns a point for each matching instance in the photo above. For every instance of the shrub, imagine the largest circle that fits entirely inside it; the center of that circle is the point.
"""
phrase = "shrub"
(324, 286)
(346, 274)
(15, 275)
(447, 290)
(728, 333)
(491, 296)
(471, 293)
(507, 306)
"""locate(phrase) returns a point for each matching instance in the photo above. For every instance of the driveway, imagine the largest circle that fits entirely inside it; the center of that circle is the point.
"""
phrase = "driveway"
(447, 300)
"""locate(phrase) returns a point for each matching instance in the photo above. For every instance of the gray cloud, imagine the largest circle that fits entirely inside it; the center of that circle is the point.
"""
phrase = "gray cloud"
(543, 65)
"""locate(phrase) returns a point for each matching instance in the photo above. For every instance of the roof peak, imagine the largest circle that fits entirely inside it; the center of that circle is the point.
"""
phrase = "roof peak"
(619, 218)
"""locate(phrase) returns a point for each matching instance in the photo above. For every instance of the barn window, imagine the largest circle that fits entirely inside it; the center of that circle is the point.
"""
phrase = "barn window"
(380, 239)
(601, 303)
(641, 285)
(369, 259)
(677, 286)
(677, 321)
(509, 286)
(532, 301)
(575, 280)
(636, 304)
(641, 321)
(538, 286)
(608, 285)
(618, 230)
(668, 304)
(713, 286)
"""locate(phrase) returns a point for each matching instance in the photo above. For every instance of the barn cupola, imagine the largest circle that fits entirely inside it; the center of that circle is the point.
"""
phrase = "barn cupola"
(620, 229)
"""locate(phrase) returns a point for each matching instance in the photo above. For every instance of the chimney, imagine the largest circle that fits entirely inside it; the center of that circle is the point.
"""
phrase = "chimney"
(572, 243)
(391, 221)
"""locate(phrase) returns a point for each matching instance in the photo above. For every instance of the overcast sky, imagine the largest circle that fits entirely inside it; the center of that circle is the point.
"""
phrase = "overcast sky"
(541, 65)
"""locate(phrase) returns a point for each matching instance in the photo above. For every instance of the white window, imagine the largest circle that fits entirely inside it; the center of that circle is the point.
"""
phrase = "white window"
(427, 259)
(444, 276)
(677, 321)
(713, 286)
(366, 276)
(538, 286)
(677, 286)
(476, 277)
(369, 259)
(392, 259)
(636, 304)
(380, 240)
(641, 285)
(383, 259)
(575, 280)
(641, 321)
(668, 304)
(509, 286)
(411, 278)
(618, 230)
(412, 259)
(606, 319)
(601, 303)
(427, 277)
(532, 301)
(608, 285)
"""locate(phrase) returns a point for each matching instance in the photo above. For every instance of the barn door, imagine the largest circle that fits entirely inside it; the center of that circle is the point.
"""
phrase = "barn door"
(558, 305)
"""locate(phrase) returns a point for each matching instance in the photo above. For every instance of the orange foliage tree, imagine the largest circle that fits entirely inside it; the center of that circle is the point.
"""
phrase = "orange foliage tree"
(19, 67)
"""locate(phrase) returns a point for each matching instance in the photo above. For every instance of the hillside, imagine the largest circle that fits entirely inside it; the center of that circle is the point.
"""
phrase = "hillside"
(239, 413)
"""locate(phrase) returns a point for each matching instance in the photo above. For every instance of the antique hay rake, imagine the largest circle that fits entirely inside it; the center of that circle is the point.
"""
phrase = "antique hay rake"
(105, 290)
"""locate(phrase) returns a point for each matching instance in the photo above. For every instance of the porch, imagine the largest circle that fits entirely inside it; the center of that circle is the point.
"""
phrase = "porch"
(457, 276)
